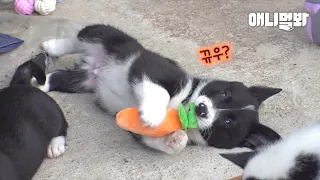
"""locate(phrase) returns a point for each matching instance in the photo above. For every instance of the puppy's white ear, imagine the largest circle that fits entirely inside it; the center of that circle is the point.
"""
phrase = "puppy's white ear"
(262, 93)
(239, 159)
(260, 135)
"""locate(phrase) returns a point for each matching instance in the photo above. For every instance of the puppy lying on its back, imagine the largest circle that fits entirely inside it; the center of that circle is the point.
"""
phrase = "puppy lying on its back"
(122, 74)
(296, 157)
(32, 125)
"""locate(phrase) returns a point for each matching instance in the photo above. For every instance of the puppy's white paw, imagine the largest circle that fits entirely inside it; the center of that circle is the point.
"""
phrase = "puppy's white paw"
(53, 47)
(46, 87)
(34, 82)
(56, 147)
(176, 142)
(152, 116)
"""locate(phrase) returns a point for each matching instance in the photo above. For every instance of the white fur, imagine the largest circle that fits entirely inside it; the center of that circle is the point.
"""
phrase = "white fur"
(194, 136)
(59, 47)
(211, 115)
(153, 102)
(179, 97)
(34, 82)
(112, 87)
(197, 91)
(45, 87)
(275, 161)
(250, 107)
(94, 55)
(170, 144)
(56, 147)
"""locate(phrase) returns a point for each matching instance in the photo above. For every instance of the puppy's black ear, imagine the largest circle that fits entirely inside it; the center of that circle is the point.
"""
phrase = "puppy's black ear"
(260, 135)
(263, 93)
(239, 159)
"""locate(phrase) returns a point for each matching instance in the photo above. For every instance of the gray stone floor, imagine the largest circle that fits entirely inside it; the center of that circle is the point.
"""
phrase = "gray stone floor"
(98, 149)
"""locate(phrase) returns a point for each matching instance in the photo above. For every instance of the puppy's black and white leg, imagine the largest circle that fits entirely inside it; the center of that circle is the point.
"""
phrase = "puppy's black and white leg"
(57, 145)
(60, 47)
(153, 101)
(170, 144)
(70, 81)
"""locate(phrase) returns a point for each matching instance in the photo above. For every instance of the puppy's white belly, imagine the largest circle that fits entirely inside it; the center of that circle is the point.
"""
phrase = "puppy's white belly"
(113, 89)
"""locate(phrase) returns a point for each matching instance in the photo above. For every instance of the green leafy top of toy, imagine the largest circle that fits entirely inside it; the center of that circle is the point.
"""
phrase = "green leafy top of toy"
(188, 119)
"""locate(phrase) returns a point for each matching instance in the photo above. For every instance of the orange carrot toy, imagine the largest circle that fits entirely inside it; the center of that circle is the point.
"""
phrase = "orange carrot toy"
(129, 120)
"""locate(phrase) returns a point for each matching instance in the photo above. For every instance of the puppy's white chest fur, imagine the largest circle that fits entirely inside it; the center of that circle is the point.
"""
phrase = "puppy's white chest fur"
(113, 89)
(115, 93)
(178, 98)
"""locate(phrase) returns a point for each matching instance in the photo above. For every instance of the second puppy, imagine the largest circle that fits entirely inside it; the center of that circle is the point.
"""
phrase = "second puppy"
(32, 125)
(295, 157)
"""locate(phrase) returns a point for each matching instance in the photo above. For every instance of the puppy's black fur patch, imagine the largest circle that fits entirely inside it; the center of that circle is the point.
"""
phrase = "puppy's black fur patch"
(29, 119)
(307, 167)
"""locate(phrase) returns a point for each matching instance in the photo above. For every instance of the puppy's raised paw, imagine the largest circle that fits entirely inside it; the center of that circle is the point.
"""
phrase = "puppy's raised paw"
(53, 47)
(152, 116)
(176, 142)
(56, 147)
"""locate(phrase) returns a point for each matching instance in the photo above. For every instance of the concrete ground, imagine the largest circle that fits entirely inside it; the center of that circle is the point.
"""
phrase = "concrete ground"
(98, 149)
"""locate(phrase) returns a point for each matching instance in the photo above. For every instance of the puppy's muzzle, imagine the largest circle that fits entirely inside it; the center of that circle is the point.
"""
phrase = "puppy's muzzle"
(201, 110)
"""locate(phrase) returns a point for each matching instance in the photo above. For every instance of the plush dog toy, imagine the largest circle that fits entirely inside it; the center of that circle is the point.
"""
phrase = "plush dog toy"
(313, 22)
(129, 120)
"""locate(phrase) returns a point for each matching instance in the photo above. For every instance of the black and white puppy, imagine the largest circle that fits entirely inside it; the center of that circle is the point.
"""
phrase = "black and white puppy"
(295, 157)
(32, 125)
(122, 74)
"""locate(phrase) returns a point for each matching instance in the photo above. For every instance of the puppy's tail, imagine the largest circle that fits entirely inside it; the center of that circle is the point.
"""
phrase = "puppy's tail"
(27, 70)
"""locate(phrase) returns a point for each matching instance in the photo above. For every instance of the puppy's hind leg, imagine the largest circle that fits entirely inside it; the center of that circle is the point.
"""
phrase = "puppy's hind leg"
(69, 81)
(60, 47)
(57, 144)
(170, 144)
(7, 168)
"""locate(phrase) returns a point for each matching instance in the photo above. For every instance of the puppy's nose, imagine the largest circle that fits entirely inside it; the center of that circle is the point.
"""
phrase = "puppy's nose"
(201, 110)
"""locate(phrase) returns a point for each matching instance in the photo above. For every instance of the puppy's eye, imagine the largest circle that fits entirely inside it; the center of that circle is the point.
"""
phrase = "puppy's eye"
(222, 94)
(228, 122)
